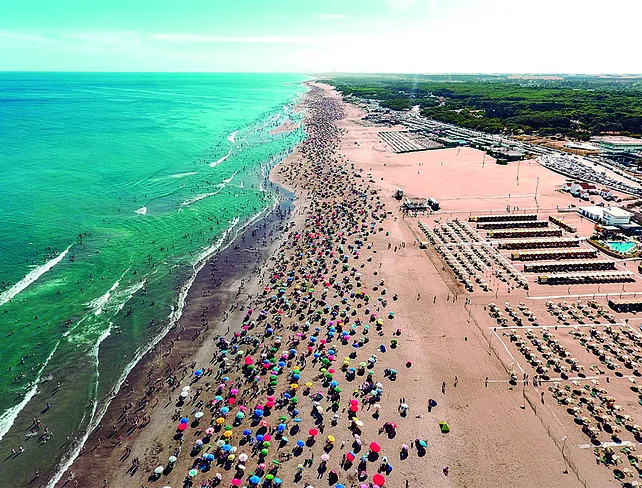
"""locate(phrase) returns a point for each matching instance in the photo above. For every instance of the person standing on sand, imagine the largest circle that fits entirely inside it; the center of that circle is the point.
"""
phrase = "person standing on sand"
(443, 387)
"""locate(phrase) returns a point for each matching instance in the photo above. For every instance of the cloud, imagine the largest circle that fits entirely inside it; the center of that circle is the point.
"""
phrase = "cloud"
(399, 4)
(331, 16)
(202, 39)
(103, 37)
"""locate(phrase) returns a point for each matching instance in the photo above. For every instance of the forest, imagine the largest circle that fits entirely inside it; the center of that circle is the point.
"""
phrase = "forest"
(575, 106)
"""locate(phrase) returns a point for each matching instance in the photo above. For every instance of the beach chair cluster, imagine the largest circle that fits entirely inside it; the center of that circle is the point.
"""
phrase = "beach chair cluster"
(404, 141)
(469, 257)
(580, 388)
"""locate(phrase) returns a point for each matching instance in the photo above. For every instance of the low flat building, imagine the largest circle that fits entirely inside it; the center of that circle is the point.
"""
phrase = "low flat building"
(616, 216)
(592, 212)
(620, 148)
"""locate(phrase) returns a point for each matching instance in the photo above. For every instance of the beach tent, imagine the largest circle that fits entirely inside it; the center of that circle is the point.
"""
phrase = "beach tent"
(445, 428)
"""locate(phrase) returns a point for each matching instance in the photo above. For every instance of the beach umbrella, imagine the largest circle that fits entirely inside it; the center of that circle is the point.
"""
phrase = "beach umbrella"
(227, 448)
(198, 415)
(269, 477)
(243, 457)
(247, 432)
(350, 456)
(325, 457)
(331, 438)
(227, 433)
(220, 421)
(159, 469)
(300, 443)
(199, 442)
(173, 459)
(313, 432)
(277, 481)
(192, 473)
(374, 447)
(198, 372)
(422, 443)
(255, 479)
(184, 420)
(185, 388)
(209, 430)
(182, 427)
(379, 479)
(184, 394)
(236, 482)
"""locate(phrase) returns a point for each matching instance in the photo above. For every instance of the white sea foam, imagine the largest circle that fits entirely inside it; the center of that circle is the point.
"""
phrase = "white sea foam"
(219, 161)
(183, 175)
(232, 136)
(229, 180)
(142, 211)
(174, 316)
(189, 201)
(30, 277)
(97, 304)
(8, 417)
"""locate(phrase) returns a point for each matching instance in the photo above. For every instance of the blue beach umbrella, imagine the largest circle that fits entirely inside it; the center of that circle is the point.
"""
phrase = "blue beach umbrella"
(247, 432)
(255, 479)
(300, 443)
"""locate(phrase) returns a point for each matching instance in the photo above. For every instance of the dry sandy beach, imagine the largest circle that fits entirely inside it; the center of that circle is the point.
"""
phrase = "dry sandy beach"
(373, 337)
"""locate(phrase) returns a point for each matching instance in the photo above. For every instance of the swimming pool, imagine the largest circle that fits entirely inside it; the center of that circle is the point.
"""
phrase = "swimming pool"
(621, 246)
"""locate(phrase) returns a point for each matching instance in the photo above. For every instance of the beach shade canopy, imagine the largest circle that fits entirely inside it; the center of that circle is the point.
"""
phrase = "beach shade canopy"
(350, 456)
(236, 482)
(255, 479)
(192, 473)
(422, 443)
(172, 459)
(300, 443)
(159, 470)
(182, 427)
(374, 447)
(313, 432)
(379, 479)
(243, 457)
(209, 430)
(198, 415)
(445, 428)
(184, 394)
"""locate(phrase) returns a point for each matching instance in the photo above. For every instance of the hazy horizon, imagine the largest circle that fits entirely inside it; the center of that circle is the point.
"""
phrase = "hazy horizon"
(289, 36)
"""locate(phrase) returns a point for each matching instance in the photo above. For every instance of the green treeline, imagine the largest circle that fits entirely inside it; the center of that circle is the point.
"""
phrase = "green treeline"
(576, 106)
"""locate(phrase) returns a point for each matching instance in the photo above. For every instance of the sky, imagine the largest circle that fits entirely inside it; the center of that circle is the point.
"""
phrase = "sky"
(384, 36)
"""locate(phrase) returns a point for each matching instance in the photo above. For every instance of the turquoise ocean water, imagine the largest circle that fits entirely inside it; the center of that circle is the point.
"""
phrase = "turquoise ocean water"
(112, 188)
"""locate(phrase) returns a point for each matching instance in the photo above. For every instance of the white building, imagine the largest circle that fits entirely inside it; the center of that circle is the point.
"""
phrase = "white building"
(593, 213)
(616, 216)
